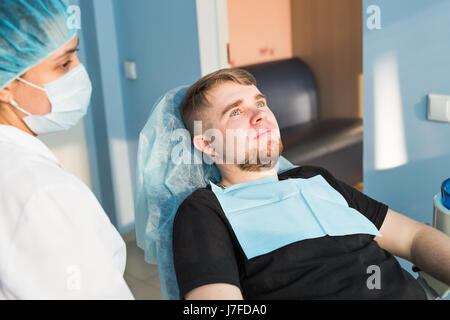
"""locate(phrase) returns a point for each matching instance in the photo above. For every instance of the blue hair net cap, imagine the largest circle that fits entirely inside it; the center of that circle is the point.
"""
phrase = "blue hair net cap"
(30, 31)
(163, 184)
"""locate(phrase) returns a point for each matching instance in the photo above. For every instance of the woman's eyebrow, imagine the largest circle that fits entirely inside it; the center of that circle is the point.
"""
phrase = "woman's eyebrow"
(69, 51)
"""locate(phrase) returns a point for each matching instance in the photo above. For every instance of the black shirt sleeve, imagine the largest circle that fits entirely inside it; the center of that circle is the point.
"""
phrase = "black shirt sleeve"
(202, 245)
(373, 210)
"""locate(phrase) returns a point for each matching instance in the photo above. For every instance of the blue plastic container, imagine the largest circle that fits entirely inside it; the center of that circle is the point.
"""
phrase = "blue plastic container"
(445, 189)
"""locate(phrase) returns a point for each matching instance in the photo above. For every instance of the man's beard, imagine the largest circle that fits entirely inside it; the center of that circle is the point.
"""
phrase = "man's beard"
(266, 161)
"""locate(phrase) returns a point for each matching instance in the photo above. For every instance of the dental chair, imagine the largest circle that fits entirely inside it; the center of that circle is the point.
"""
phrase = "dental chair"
(335, 144)
(163, 182)
(434, 288)
(162, 185)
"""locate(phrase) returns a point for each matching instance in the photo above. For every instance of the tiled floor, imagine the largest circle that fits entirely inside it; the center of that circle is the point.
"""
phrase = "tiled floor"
(142, 278)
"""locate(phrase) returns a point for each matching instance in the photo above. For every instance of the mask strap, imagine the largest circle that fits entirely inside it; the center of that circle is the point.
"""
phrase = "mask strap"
(15, 105)
(31, 84)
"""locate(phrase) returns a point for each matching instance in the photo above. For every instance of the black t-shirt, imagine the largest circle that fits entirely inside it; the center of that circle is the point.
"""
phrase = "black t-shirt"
(207, 251)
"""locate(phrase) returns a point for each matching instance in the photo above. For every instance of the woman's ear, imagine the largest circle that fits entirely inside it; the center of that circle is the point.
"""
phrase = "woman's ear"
(6, 95)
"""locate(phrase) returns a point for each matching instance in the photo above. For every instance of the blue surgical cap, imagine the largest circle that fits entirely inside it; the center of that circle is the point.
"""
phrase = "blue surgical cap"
(163, 184)
(30, 31)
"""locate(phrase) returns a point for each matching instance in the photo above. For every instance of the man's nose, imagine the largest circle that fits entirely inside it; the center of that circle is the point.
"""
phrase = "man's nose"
(257, 117)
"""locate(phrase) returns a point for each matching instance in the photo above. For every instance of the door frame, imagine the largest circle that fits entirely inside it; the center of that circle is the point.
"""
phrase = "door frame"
(213, 35)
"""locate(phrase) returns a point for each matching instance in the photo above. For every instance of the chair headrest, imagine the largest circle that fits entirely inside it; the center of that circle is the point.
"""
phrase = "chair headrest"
(291, 90)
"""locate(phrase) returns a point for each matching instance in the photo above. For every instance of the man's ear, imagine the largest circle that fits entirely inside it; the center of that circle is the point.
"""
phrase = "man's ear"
(203, 145)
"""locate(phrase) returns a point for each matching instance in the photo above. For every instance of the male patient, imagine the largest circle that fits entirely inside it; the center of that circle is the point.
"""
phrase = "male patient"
(301, 234)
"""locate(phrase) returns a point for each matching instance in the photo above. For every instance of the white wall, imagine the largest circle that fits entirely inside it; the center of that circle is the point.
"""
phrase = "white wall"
(70, 148)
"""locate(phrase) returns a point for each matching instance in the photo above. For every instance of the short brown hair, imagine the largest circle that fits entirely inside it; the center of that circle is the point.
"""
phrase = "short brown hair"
(195, 101)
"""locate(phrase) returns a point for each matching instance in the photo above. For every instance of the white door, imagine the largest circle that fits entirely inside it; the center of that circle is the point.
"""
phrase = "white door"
(212, 20)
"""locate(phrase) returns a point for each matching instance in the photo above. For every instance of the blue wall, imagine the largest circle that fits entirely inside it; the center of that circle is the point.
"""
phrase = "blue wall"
(95, 121)
(404, 61)
(162, 38)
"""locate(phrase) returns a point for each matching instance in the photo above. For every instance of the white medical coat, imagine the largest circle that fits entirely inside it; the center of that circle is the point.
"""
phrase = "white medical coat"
(56, 242)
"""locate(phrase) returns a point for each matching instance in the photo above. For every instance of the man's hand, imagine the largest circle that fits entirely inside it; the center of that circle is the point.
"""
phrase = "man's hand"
(426, 247)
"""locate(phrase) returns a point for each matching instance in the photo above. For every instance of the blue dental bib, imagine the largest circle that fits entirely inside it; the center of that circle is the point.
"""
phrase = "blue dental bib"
(267, 214)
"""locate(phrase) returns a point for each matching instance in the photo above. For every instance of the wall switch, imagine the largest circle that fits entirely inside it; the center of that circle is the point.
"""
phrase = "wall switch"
(130, 70)
(438, 108)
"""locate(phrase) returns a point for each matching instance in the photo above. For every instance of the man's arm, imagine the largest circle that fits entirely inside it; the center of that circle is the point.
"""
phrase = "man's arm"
(215, 291)
(426, 247)
(205, 262)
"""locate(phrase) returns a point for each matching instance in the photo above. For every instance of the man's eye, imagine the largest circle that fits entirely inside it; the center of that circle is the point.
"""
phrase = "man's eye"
(235, 113)
(260, 104)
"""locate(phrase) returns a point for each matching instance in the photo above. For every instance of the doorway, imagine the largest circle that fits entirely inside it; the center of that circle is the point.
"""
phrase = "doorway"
(326, 35)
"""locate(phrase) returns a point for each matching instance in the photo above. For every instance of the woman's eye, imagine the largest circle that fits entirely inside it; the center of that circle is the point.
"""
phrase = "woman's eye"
(66, 65)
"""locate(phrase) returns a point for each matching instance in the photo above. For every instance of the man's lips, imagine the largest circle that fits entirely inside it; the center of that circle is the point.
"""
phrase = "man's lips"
(262, 132)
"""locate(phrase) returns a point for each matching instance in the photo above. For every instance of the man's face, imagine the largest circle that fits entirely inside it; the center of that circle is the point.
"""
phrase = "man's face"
(248, 127)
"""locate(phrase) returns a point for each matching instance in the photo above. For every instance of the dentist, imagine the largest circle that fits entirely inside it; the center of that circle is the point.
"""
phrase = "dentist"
(56, 242)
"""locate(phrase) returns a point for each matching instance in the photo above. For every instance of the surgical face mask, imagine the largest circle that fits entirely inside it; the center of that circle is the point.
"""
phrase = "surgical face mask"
(69, 97)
